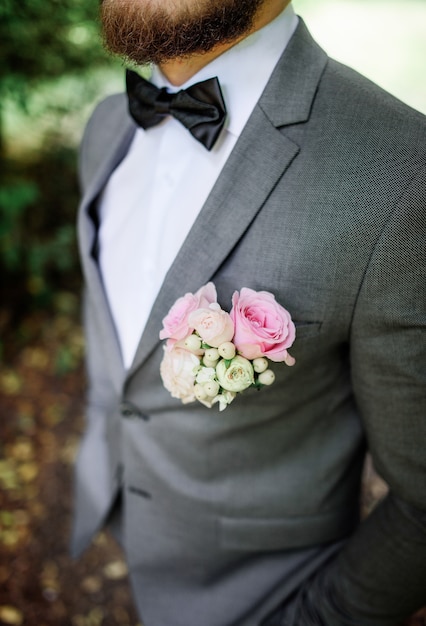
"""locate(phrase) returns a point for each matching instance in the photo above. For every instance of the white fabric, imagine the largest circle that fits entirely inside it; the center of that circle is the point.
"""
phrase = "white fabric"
(153, 197)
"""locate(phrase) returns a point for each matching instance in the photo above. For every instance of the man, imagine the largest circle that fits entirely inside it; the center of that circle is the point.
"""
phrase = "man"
(314, 191)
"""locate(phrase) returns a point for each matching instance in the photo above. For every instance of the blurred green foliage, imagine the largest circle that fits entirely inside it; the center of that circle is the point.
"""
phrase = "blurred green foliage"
(43, 40)
(42, 44)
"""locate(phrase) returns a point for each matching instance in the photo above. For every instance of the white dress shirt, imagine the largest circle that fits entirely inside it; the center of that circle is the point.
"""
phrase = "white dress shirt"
(154, 196)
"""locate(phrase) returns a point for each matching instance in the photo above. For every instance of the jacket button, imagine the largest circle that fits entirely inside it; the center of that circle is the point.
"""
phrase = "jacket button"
(129, 411)
(140, 492)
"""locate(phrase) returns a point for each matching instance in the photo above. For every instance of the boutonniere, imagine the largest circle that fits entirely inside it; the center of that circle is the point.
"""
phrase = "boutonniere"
(211, 355)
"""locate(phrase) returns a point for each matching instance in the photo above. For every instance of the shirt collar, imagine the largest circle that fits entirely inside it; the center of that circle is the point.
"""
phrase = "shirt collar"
(244, 70)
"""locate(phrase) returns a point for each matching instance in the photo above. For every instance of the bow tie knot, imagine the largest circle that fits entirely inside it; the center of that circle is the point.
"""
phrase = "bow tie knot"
(200, 108)
(163, 102)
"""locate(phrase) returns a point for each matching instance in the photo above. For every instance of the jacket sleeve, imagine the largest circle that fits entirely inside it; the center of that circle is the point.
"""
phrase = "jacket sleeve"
(379, 578)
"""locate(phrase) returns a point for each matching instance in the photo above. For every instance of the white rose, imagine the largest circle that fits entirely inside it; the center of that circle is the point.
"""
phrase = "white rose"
(178, 370)
(237, 376)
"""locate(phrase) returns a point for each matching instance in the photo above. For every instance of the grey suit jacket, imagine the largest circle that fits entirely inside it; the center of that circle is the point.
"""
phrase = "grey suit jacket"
(322, 203)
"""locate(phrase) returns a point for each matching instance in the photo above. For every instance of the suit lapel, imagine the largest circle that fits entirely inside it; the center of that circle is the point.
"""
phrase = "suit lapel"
(111, 157)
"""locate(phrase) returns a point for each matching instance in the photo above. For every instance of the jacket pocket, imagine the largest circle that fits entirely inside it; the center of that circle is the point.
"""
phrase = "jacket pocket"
(307, 329)
(263, 534)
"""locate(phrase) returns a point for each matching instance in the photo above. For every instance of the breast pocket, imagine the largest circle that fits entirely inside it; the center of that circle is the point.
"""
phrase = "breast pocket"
(307, 329)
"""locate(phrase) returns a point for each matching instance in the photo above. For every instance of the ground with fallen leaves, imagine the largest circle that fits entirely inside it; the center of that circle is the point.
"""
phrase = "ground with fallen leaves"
(41, 391)
(41, 400)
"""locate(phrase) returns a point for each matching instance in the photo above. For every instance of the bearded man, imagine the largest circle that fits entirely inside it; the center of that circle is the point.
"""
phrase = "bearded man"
(300, 178)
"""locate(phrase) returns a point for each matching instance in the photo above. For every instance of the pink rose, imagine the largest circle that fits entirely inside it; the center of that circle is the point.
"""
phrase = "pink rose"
(262, 326)
(214, 325)
(178, 370)
(175, 324)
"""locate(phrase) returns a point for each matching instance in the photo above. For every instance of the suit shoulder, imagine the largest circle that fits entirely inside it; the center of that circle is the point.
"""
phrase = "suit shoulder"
(372, 108)
(113, 107)
(108, 116)
(366, 136)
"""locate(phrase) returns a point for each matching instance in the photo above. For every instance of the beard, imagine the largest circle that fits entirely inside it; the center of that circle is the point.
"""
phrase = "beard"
(145, 31)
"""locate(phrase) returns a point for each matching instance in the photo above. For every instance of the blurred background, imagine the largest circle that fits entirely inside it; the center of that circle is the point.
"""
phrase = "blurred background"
(52, 73)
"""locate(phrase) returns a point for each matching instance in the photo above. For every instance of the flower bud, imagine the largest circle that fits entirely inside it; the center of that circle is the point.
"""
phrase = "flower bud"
(211, 388)
(266, 378)
(192, 343)
(211, 354)
(227, 350)
(200, 392)
(260, 364)
(209, 363)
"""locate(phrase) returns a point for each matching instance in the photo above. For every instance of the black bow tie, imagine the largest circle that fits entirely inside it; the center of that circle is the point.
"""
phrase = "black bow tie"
(200, 108)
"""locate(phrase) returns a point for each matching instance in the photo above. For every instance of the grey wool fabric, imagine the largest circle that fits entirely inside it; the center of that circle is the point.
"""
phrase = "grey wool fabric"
(322, 203)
